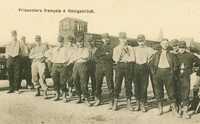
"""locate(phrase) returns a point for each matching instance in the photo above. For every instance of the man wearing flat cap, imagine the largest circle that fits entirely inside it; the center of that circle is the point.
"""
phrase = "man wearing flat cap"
(175, 46)
(13, 50)
(143, 55)
(104, 67)
(38, 66)
(60, 70)
(164, 66)
(186, 61)
(124, 57)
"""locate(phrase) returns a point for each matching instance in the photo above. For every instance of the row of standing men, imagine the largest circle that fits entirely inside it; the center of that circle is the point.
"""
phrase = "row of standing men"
(72, 64)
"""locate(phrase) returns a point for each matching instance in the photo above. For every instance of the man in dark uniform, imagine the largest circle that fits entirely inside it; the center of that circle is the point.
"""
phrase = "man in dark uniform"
(186, 60)
(26, 62)
(104, 67)
(165, 65)
(13, 51)
(92, 65)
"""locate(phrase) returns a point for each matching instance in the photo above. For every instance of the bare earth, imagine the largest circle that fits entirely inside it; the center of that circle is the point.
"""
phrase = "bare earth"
(26, 109)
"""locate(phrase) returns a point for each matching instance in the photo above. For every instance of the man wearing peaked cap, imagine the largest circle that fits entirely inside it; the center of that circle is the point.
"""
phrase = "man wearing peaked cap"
(141, 70)
(104, 67)
(186, 60)
(91, 64)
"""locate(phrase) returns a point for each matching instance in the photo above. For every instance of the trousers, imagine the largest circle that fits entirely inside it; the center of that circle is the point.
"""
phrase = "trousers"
(80, 78)
(14, 72)
(38, 75)
(123, 70)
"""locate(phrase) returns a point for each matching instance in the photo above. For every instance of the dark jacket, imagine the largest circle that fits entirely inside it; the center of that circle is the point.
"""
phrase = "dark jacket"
(172, 60)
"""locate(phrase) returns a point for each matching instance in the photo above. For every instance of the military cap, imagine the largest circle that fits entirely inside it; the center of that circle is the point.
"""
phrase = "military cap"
(90, 38)
(80, 38)
(37, 37)
(23, 37)
(14, 33)
(182, 44)
(105, 36)
(70, 38)
(141, 36)
(122, 35)
(60, 38)
(174, 42)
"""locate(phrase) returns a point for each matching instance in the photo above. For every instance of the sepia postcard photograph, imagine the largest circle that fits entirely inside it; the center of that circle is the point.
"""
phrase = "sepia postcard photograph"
(100, 62)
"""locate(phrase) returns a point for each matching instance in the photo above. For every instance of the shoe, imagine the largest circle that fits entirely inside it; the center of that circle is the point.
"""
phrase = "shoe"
(57, 96)
(115, 105)
(175, 109)
(79, 101)
(142, 107)
(111, 104)
(37, 92)
(129, 106)
(45, 94)
(160, 108)
(10, 91)
(186, 115)
(97, 102)
(87, 102)
(137, 108)
(18, 92)
(64, 97)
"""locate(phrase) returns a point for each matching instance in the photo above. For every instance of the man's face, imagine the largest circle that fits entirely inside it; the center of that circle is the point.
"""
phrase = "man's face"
(14, 37)
(123, 41)
(79, 44)
(182, 50)
(164, 44)
(175, 48)
(23, 40)
(92, 43)
(38, 41)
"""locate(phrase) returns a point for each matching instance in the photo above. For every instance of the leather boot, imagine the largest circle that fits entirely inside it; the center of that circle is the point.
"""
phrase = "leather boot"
(175, 109)
(137, 108)
(46, 94)
(87, 102)
(129, 106)
(64, 97)
(111, 104)
(57, 96)
(142, 106)
(186, 115)
(37, 92)
(79, 100)
(160, 108)
(97, 101)
(115, 105)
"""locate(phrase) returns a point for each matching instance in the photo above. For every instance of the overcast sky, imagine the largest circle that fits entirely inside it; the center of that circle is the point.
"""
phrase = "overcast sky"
(177, 18)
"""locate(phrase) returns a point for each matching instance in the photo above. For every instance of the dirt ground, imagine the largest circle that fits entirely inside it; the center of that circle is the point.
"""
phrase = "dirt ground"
(25, 108)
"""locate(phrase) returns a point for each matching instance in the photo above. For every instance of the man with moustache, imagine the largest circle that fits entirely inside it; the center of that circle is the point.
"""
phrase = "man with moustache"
(124, 57)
